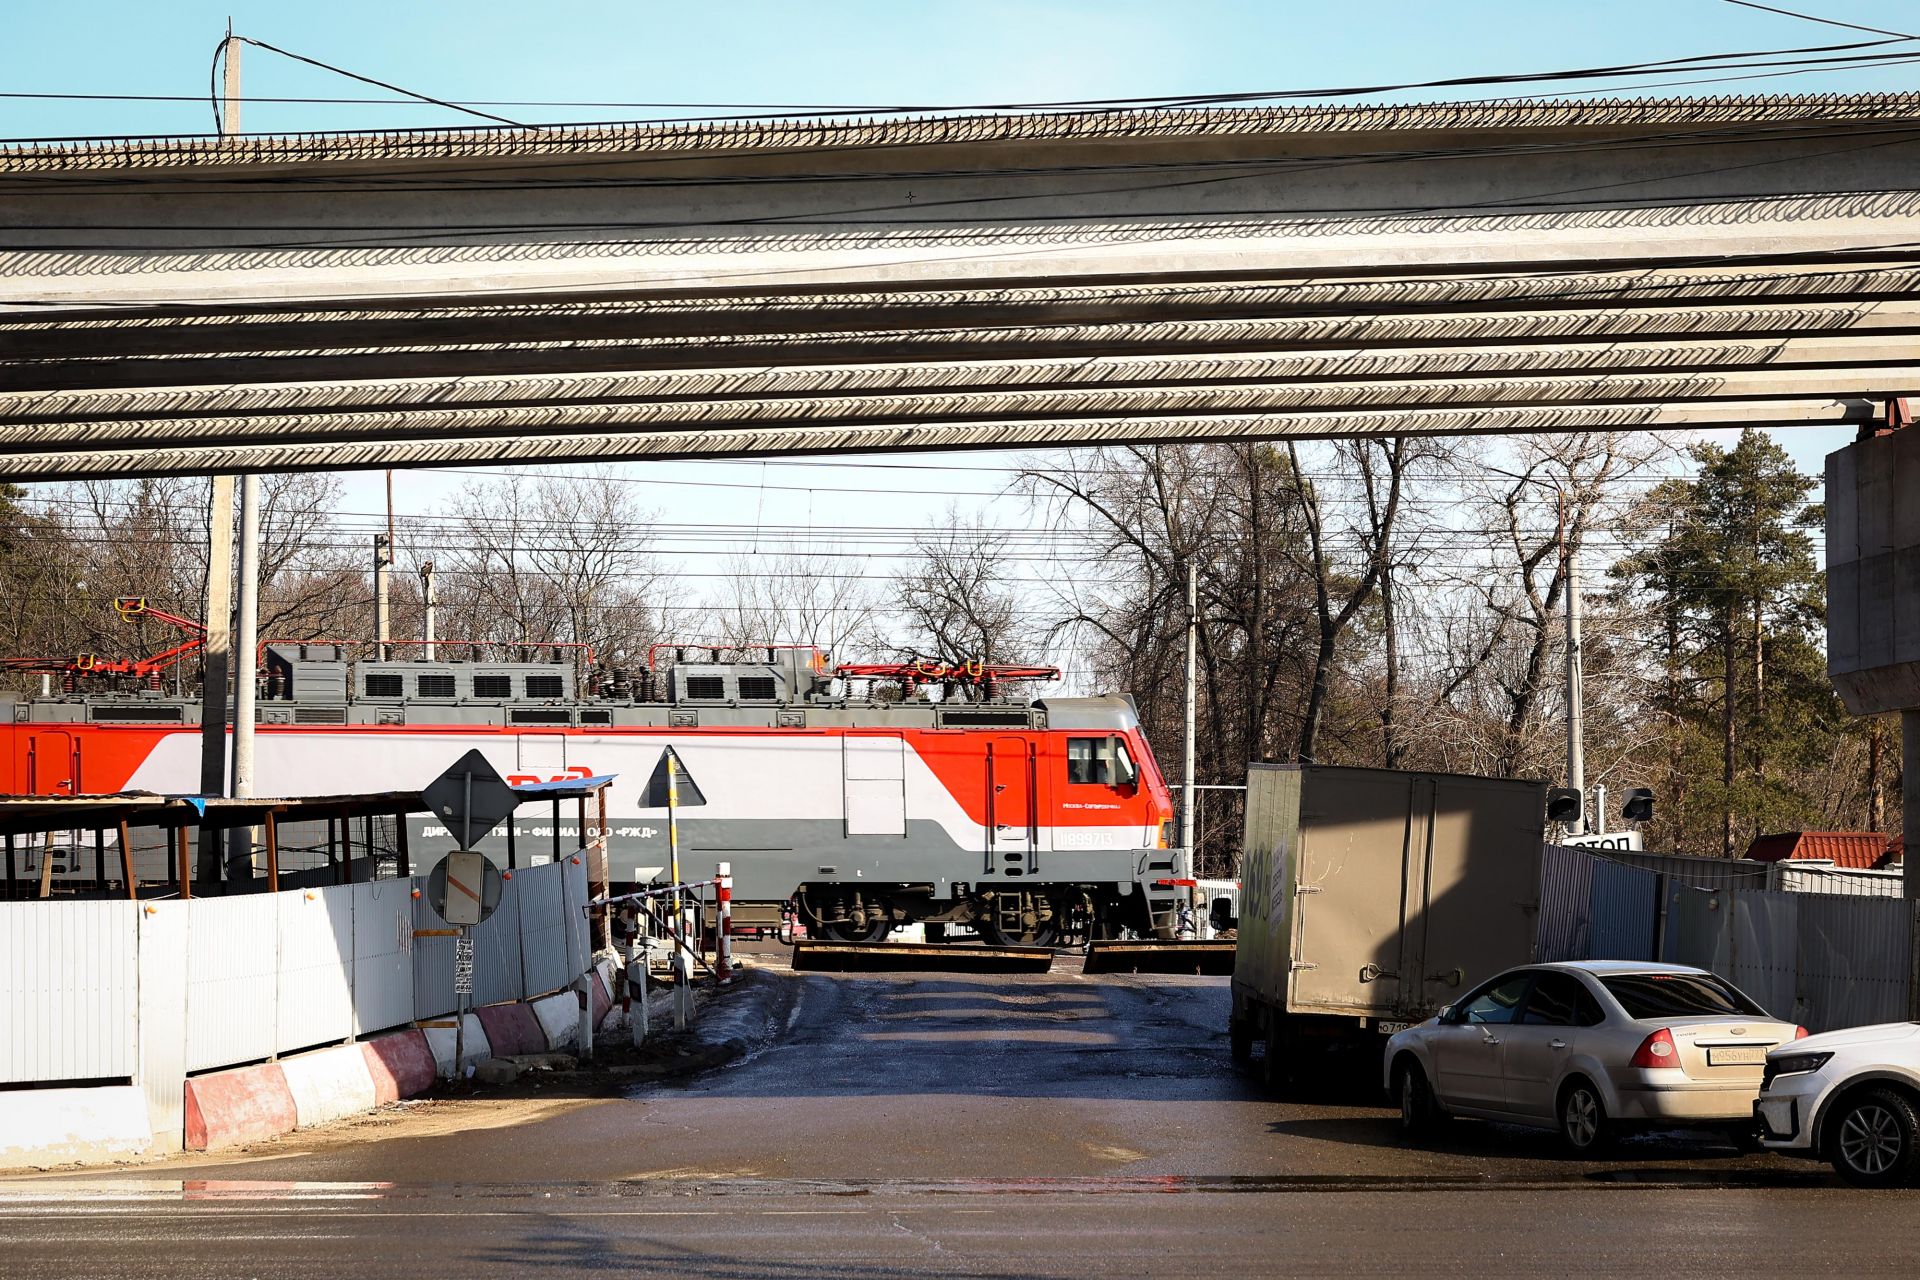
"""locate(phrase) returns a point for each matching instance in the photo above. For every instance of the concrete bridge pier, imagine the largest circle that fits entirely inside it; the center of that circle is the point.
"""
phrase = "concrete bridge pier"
(1873, 591)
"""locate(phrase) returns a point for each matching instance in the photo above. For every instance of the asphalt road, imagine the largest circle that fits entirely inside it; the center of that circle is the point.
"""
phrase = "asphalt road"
(939, 1124)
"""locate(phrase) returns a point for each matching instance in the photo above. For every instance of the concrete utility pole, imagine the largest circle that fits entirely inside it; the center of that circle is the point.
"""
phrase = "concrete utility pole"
(430, 602)
(382, 614)
(1576, 714)
(218, 648)
(1185, 870)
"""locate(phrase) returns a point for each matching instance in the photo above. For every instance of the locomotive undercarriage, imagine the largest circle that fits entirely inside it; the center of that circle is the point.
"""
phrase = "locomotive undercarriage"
(1003, 915)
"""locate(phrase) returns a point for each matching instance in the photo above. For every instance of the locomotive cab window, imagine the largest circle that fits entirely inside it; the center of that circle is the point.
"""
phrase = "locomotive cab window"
(1102, 762)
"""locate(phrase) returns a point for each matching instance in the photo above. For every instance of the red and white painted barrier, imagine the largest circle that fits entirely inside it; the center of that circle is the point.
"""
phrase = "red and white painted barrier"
(59, 1126)
(474, 1046)
(400, 1065)
(559, 1018)
(329, 1084)
(723, 929)
(512, 1029)
(245, 1104)
(248, 1104)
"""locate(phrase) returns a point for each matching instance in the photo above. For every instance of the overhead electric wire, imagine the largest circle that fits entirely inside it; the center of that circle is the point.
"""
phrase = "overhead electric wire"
(1825, 22)
(379, 84)
(1795, 55)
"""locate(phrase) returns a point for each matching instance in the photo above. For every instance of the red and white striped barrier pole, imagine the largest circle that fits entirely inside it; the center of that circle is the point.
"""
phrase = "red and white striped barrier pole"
(723, 930)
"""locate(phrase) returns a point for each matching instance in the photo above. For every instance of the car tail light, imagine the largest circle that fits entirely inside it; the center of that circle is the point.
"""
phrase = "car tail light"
(1801, 1033)
(1656, 1051)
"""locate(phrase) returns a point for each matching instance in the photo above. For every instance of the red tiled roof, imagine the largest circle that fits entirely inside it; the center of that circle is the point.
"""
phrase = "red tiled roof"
(1862, 850)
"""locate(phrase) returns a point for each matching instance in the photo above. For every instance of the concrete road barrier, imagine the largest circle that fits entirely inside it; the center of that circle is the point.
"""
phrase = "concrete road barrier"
(559, 1016)
(400, 1065)
(59, 1126)
(476, 1050)
(602, 991)
(329, 1084)
(512, 1029)
(245, 1104)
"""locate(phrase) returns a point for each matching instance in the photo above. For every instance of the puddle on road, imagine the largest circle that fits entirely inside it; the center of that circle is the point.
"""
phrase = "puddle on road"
(104, 1195)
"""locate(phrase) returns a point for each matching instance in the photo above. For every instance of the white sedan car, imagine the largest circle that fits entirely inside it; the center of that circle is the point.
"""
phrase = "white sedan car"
(1851, 1097)
(1588, 1048)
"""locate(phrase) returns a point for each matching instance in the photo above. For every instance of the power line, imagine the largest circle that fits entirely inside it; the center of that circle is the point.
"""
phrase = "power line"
(1711, 61)
(1826, 22)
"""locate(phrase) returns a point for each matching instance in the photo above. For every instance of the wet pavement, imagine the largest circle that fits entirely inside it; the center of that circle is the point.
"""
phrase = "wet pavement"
(968, 1125)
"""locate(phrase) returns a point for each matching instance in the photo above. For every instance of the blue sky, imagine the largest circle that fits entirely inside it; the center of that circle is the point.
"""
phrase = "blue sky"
(871, 52)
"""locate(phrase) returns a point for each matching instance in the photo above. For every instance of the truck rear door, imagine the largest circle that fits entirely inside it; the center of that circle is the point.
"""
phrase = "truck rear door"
(1348, 892)
(1472, 911)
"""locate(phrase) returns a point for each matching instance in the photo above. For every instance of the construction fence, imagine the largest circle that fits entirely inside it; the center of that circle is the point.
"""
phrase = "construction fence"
(148, 993)
(1824, 948)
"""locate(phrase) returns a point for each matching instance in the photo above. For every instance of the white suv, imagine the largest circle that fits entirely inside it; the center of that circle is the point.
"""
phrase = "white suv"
(1852, 1097)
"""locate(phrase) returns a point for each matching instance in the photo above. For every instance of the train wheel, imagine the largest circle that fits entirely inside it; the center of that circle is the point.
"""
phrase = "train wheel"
(846, 931)
(1041, 934)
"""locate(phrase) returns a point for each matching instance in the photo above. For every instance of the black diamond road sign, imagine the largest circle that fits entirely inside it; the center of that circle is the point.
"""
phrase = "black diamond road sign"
(471, 798)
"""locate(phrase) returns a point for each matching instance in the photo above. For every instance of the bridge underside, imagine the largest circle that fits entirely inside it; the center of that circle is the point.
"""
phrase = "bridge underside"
(407, 300)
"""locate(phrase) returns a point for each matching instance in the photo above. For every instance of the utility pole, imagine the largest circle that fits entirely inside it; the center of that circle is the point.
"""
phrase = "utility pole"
(1576, 715)
(246, 644)
(218, 648)
(430, 601)
(382, 615)
(1185, 870)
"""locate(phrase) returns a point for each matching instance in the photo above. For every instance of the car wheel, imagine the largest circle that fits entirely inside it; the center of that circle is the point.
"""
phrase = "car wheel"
(1419, 1112)
(1875, 1139)
(1583, 1120)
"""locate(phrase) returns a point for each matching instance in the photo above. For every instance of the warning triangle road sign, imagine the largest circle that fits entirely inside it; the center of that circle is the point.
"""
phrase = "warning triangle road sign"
(655, 796)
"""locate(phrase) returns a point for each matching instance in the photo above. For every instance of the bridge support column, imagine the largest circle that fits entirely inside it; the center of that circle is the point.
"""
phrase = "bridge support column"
(1873, 590)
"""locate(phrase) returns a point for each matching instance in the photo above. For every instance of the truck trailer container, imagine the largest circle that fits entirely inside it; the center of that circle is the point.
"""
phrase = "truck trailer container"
(1372, 897)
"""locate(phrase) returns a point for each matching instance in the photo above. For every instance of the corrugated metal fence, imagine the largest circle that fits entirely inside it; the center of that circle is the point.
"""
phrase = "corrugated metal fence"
(1826, 960)
(155, 991)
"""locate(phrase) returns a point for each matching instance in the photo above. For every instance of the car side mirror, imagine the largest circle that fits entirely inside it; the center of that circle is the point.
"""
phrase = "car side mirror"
(1445, 1015)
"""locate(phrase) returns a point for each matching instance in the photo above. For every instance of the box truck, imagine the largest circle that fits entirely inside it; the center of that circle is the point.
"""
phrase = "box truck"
(1372, 897)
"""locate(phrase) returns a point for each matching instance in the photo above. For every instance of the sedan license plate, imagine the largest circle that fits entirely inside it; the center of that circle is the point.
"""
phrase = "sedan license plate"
(1391, 1028)
(1739, 1055)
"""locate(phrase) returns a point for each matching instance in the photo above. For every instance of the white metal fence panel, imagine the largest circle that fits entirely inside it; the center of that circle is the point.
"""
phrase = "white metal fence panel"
(233, 964)
(496, 950)
(1856, 960)
(316, 967)
(382, 955)
(1762, 949)
(163, 1015)
(544, 932)
(574, 898)
(432, 961)
(68, 994)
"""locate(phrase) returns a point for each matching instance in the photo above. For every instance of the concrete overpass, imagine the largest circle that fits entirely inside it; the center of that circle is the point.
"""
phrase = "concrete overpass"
(278, 303)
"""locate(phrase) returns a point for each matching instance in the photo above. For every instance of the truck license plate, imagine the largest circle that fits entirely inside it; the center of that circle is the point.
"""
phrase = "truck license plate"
(1743, 1055)
(1391, 1028)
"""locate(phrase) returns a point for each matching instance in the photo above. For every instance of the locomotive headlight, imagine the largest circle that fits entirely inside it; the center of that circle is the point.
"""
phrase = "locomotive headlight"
(1166, 834)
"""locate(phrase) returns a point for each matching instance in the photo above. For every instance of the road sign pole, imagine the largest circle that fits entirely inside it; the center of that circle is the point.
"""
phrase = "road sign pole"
(459, 1001)
(678, 916)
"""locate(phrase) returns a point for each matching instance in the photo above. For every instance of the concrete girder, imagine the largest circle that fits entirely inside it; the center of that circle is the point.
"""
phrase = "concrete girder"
(509, 447)
(1894, 317)
(1851, 359)
(850, 407)
(60, 334)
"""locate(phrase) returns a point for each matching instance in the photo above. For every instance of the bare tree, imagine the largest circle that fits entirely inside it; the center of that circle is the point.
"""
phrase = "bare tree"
(960, 601)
